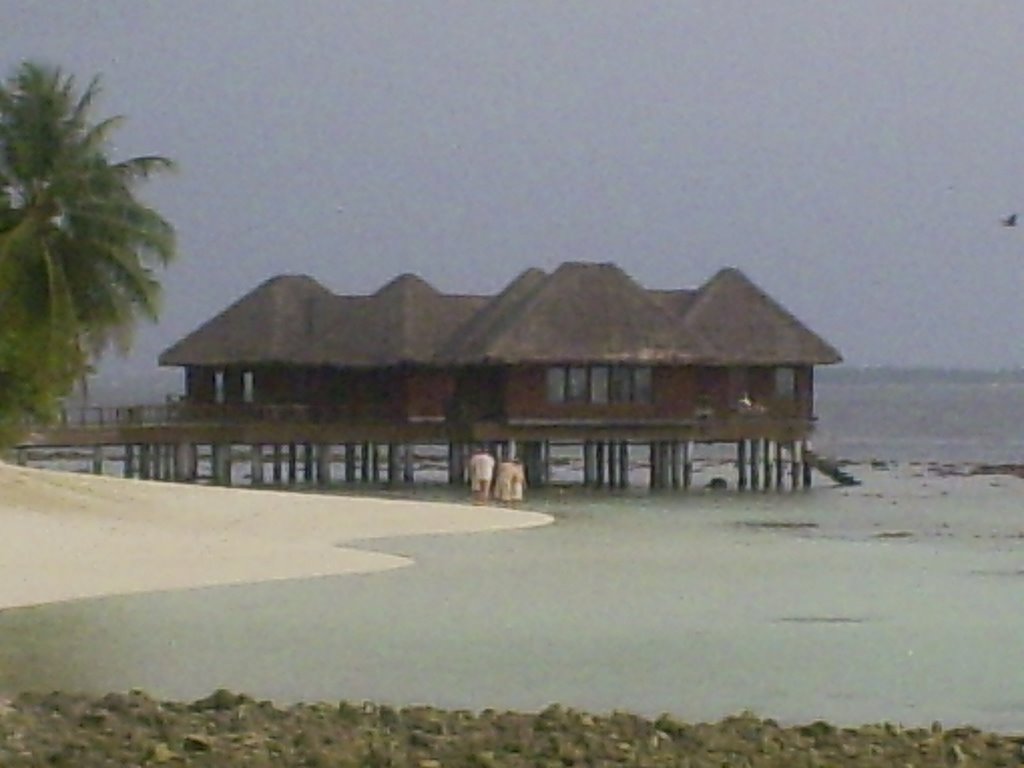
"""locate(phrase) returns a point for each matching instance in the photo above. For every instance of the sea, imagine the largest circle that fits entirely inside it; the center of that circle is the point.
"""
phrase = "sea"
(897, 600)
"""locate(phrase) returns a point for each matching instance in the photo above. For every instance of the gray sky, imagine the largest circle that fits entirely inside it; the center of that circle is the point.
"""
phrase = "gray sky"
(853, 158)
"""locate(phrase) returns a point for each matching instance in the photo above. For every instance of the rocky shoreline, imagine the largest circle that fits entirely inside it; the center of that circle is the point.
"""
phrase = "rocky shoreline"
(227, 729)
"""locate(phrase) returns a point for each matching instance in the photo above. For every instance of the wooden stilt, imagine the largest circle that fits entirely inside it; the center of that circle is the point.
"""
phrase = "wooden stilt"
(409, 464)
(588, 463)
(364, 462)
(687, 464)
(600, 463)
(323, 465)
(456, 465)
(97, 460)
(741, 465)
(755, 464)
(393, 462)
(794, 465)
(145, 463)
(185, 462)
(221, 460)
(805, 466)
(293, 463)
(256, 464)
(624, 464)
(350, 462)
(375, 463)
(167, 451)
(780, 467)
(613, 464)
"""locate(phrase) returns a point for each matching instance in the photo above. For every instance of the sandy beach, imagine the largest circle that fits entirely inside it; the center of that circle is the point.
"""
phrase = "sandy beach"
(66, 536)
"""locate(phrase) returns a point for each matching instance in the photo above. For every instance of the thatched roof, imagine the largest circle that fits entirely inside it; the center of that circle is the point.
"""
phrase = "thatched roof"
(593, 312)
(745, 325)
(295, 320)
(580, 312)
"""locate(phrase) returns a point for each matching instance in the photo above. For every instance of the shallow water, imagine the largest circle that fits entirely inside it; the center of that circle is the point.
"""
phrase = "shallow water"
(899, 600)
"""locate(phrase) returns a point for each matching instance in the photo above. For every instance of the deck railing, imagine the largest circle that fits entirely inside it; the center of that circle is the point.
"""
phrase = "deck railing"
(180, 413)
(192, 413)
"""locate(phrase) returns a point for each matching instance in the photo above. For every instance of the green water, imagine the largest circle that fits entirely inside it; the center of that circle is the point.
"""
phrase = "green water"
(897, 601)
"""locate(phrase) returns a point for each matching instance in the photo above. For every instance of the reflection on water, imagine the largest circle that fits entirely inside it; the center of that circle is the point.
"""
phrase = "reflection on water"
(700, 605)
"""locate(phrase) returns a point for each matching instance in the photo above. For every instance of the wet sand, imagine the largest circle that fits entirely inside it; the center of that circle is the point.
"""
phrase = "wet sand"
(67, 536)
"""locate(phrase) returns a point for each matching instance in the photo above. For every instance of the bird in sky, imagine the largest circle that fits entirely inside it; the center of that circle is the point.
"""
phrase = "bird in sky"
(1010, 221)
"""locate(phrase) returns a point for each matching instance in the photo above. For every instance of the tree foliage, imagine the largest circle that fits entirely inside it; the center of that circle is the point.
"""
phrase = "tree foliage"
(78, 249)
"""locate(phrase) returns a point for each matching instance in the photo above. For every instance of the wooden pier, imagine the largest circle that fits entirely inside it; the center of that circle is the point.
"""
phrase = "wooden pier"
(300, 445)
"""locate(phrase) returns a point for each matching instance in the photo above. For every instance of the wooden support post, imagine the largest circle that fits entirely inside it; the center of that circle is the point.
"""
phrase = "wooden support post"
(794, 465)
(256, 464)
(675, 456)
(687, 464)
(323, 465)
(536, 474)
(755, 464)
(588, 463)
(393, 461)
(169, 461)
(613, 464)
(455, 464)
(409, 463)
(97, 460)
(350, 462)
(600, 463)
(128, 468)
(805, 466)
(364, 462)
(276, 464)
(766, 457)
(375, 462)
(293, 463)
(780, 467)
(308, 463)
(544, 454)
(624, 464)
(741, 465)
(221, 460)
(185, 462)
(145, 464)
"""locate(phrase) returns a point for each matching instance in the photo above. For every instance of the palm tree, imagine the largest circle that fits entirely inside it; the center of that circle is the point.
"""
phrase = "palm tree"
(78, 250)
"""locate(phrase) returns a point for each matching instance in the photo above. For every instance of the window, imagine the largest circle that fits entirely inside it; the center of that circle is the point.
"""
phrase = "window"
(621, 384)
(576, 387)
(599, 384)
(248, 390)
(642, 385)
(785, 383)
(218, 387)
(556, 384)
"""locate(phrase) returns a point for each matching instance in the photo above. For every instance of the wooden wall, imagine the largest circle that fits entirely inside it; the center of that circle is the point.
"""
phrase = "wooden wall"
(494, 393)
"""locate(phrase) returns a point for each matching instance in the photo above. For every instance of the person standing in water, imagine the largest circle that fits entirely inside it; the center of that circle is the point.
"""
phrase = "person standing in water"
(510, 482)
(481, 473)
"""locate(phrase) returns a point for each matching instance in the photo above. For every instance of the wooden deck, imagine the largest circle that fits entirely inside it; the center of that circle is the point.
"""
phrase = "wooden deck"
(280, 424)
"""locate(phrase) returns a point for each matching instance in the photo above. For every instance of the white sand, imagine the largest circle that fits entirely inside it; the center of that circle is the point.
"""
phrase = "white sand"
(65, 536)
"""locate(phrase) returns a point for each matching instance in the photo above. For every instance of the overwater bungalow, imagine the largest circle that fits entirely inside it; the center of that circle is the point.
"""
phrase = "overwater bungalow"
(581, 355)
